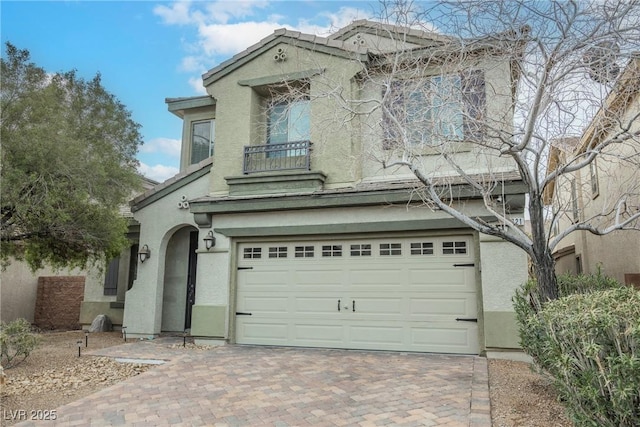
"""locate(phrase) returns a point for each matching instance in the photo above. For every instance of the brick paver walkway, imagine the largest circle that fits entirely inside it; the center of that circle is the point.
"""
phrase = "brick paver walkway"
(274, 386)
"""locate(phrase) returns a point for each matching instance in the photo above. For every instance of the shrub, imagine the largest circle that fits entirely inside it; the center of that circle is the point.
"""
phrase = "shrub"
(569, 284)
(589, 344)
(16, 342)
(527, 304)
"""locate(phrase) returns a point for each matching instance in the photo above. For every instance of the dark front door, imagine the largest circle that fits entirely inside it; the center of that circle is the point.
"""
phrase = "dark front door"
(191, 277)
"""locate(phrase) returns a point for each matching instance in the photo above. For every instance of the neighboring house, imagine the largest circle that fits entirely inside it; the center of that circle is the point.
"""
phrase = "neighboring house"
(19, 287)
(594, 189)
(279, 231)
(103, 288)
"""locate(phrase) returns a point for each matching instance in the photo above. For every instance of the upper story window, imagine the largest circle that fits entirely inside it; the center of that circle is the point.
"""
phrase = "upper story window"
(202, 139)
(433, 110)
(593, 175)
(288, 121)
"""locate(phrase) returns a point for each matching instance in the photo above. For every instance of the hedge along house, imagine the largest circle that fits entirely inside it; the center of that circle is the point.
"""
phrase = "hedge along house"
(282, 229)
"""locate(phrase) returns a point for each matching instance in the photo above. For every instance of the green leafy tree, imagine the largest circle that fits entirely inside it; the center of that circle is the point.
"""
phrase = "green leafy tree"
(68, 163)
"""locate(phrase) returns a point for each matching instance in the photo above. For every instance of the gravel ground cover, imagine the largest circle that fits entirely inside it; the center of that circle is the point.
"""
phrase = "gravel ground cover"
(522, 398)
(54, 375)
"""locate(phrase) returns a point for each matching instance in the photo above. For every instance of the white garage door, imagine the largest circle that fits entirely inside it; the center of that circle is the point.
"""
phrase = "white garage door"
(408, 294)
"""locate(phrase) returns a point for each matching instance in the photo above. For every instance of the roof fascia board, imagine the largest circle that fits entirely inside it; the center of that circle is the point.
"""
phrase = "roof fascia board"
(165, 191)
(617, 100)
(233, 64)
(401, 37)
(178, 105)
(408, 34)
(347, 228)
(281, 78)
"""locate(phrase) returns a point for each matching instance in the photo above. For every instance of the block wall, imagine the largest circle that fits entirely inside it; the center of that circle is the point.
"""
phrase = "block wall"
(58, 302)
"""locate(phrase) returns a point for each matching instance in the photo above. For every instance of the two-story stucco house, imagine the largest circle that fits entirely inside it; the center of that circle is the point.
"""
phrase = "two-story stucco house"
(282, 229)
(594, 190)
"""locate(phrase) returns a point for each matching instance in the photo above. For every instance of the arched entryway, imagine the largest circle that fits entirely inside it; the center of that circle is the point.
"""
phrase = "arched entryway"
(179, 280)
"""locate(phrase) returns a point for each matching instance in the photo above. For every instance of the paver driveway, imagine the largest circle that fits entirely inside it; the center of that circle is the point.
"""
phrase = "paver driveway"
(274, 386)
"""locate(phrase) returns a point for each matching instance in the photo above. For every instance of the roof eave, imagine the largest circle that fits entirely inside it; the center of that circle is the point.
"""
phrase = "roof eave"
(625, 88)
(178, 106)
(330, 48)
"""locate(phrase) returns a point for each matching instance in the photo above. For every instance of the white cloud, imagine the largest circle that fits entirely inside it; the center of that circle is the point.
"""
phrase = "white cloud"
(196, 84)
(184, 12)
(158, 173)
(176, 14)
(223, 11)
(343, 17)
(191, 64)
(229, 39)
(225, 28)
(166, 146)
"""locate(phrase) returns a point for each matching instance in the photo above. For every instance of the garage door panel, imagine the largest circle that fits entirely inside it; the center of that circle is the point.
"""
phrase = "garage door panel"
(444, 306)
(448, 279)
(407, 294)
(262, 278)
(374, 276)
(319, 335)
(263, 304)
(379, 335)
(315, 305)
(441, 337)
(377, 306)
(261, 332)
(317, 279)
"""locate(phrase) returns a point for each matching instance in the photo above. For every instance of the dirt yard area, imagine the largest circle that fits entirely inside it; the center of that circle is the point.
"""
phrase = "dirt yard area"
(54, 375)
(522, 398)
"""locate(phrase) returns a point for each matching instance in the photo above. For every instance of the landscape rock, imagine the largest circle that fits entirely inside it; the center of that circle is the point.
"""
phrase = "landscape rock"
(101, 324)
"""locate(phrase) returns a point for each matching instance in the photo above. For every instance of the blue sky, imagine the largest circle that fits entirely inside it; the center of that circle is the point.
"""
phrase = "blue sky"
(147, 51)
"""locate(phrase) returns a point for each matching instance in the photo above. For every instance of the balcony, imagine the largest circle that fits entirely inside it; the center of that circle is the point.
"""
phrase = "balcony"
(277, 157)
(276, 169)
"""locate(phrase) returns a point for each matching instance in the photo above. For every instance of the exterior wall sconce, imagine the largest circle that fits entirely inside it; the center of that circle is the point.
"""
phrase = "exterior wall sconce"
(144, 253)
(209, 240)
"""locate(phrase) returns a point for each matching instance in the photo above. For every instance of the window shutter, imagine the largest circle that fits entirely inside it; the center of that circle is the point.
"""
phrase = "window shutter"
(133, 265)
(111, 277)
(475, 103)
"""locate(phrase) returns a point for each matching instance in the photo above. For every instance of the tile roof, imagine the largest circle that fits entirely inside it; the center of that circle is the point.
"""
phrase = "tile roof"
(173, 183)
(368, 187)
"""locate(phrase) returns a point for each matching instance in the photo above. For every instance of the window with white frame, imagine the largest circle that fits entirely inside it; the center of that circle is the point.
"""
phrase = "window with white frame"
(202, 139)
(428, 111)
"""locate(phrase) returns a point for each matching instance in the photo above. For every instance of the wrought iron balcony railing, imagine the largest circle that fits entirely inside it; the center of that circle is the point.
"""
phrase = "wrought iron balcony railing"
(277, 157)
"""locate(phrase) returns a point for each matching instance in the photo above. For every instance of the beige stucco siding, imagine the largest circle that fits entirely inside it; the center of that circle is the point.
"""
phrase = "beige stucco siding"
(472, 158)
(504, 269)
(159, 221)
(240, 117)
(216, 277)
(618, 253)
